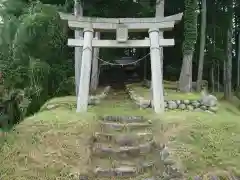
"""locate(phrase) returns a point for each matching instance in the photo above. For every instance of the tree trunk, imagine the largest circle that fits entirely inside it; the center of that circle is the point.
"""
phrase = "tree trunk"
(202, 44)
(228, 75)
(224, 79)
(94, 75)
(218, 81)
(185, 80)
(238, 62)
(228, 82)
(78, 11)
(212, 78)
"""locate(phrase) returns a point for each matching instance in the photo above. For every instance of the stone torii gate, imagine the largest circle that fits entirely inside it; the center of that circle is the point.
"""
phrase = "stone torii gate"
(121, 26)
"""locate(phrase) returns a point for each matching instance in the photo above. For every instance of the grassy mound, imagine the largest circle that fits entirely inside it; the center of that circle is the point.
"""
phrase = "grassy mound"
(203, 142)
(67, 102)
(49, 145)
(53, 144)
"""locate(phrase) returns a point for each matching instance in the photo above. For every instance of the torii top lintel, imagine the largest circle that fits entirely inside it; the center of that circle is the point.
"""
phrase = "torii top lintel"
(111, 24)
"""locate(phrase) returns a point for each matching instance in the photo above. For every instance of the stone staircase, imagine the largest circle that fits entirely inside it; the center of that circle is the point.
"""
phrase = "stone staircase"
(124, 148)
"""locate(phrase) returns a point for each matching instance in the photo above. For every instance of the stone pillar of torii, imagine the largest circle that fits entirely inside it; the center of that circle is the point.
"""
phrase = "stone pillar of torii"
(121, 26)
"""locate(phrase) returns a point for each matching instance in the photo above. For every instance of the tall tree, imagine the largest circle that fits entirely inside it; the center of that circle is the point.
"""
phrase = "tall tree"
(190, 37)
(229, 51)
(202, 43)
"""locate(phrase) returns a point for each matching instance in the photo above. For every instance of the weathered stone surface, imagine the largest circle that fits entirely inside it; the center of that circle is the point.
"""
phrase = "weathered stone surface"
(209, 100)
(146, 148)
(104, 172)
(126, 119)
(190, 107)
(178, 102)
(93, 100)
(164, 153)
(123, 151)
(172, 105)
(83, 177)
(198, 110)
(124, 171)
(173, 171)
(182, 106)
(203, 108)
(186, 102)
(119, 127)
(124, 139)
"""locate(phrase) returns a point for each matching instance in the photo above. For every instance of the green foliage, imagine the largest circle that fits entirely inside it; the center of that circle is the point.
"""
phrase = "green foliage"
(33, 52)
(13, 106)
(190, 25)
(39, 34)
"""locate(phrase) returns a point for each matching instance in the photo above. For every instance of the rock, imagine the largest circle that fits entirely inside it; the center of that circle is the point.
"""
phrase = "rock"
(144, 103)
(182, 106)
(125, 140)
(204, 108)
(195, 104)
(165, 104)
(173, 171)
(146, 148)
(118, 127)
(209, 100)
(104, 172)
(210, 112)
(146, 165)
(164, 153)
(172, 105)
(101, 96)
(198, 110)
(169, 161)
(83, 177)
(93, 100)
(190, 107)
(197, 178)
(186, 102)
(126, 171)
(178, 102)
(51, 106)
(124, 119)
(213, 109)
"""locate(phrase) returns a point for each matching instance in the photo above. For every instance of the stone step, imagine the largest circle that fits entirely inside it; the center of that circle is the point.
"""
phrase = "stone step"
(116, 172)
(123, 171)
(110, 162)
(123, 119)
(107, 126)
(128, 139)
(107, 150)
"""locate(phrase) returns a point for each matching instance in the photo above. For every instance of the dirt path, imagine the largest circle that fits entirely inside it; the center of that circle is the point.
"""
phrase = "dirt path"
(119, 103)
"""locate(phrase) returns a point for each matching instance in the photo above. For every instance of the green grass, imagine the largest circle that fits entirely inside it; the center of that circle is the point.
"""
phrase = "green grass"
(171, 93)
(54, 143)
